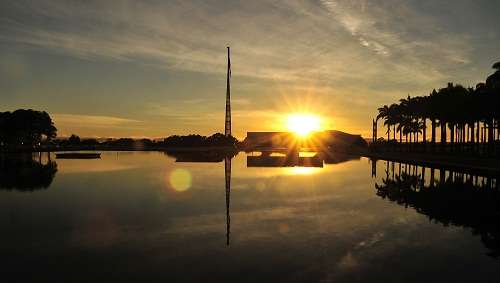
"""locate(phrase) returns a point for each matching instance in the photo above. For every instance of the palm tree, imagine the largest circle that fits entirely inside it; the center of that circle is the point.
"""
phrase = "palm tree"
(463, 112)
(433, 115)
(405, 116)
(406, 127)
(417, 127)
(384, 113)
(493, 102)
(493, 81)
(400, 130)
(393, 118)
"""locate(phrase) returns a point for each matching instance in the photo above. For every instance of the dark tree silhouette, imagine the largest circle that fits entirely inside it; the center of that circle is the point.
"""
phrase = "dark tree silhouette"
(23, 173)
(466, 117)
(217, 139)
(25, 127)
(74, 139)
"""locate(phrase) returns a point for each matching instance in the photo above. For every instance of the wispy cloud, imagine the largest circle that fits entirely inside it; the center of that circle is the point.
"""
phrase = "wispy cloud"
(414, 40)
(346, 54)
(267, 44)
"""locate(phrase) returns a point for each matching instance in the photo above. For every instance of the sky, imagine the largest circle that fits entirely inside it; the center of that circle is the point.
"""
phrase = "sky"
(156, 68)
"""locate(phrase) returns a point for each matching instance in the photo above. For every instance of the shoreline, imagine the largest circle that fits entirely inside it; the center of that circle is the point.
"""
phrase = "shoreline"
(483, 166)
(465, 164)
(126, 148)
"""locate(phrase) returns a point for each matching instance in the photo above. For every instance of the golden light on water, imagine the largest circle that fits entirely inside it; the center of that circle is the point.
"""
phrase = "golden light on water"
(302, 170)
(180, 180)
(303, 124)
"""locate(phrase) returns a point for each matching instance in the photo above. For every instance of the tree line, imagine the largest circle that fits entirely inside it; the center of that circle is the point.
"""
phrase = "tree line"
(193, 140)
(25, 128)
(466, 117)
(217, 139)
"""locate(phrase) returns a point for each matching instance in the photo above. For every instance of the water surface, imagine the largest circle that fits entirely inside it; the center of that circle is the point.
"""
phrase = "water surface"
(134, 216)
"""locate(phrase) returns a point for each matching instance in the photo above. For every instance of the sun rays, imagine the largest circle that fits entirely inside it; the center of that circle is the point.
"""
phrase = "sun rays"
(303, 124)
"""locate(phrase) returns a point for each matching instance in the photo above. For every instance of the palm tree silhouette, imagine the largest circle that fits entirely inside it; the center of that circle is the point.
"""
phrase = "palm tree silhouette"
(468, 118)
(384, 112)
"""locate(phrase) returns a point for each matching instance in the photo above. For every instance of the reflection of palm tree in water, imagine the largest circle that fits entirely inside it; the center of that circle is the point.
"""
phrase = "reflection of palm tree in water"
(459, 199)
(227, 175)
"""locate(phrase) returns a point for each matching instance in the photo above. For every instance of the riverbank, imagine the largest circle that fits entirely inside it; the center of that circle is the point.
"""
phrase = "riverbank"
(124, 148)
(484, 165)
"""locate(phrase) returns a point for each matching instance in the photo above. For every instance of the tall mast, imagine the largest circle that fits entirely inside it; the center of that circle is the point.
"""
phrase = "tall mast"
(228, 97)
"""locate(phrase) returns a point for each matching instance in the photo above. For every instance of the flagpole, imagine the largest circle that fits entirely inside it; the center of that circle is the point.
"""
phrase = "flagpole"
(227, 129)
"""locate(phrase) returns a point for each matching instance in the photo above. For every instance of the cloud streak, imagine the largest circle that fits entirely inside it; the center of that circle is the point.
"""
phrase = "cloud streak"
(93, 121)
(89, 124)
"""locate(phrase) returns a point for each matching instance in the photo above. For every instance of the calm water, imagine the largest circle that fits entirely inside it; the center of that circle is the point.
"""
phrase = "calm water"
(141, 216)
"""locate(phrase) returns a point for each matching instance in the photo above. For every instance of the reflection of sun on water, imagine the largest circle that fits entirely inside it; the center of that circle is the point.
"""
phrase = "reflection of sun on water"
(303, 124)
(307, 153)
(302, 170)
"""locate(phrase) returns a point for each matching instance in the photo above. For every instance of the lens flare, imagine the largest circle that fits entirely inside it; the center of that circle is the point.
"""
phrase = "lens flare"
(180, 180)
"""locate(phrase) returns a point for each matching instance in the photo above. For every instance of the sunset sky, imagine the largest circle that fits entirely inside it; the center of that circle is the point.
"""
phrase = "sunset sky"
(156, 68)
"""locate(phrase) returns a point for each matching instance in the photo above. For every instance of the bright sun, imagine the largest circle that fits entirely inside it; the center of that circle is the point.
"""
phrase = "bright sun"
(303, 124)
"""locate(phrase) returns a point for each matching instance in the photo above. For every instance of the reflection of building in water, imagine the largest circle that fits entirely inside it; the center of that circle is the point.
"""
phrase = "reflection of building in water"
(449, 197)
(336, 140)
(26, 172)
(293, 158)
(288, 160)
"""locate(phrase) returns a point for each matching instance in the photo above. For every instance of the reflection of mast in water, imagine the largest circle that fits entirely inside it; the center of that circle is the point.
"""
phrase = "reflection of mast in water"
(227, 166)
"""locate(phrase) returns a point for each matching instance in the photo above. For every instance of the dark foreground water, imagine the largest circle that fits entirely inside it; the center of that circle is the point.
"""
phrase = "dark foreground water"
(141, 216)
